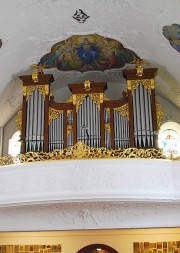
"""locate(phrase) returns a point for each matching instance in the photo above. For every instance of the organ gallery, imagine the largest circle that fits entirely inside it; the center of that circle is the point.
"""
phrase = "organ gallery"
(88, 116)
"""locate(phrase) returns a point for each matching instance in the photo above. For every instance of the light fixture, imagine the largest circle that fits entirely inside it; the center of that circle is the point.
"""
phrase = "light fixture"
(99, 249)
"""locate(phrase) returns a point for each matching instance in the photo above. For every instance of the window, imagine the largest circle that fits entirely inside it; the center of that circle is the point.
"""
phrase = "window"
(14, 144)
(169, 139)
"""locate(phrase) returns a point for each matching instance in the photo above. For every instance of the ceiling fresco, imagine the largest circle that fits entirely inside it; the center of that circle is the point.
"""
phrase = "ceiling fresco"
(88, 53)
(172, 33)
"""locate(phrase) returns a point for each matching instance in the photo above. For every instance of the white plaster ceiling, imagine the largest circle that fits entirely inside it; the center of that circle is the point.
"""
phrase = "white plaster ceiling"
(29, 28)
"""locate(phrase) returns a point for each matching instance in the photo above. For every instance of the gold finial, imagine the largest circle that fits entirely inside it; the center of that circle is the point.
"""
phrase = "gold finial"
(87, 85)
(39, 68)
(139, 67)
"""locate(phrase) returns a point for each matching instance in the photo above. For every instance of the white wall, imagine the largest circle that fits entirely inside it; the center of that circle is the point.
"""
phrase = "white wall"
(9, 129)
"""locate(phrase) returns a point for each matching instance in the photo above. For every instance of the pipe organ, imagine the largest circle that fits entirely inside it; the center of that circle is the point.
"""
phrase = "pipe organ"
(89, 116)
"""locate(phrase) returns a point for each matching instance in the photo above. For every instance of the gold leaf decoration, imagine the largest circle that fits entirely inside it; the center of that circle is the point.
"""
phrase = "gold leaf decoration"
(54, 114)
(43, 89)
(79, 100)
(19, 119)
(29, 91)
(160, 114)
(82, 151)
(123, 110)
(108, 127)
(148, 84)
(96, 99)
(69, 129)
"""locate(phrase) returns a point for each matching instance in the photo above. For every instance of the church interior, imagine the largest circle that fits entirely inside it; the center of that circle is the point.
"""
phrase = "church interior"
(90, 126)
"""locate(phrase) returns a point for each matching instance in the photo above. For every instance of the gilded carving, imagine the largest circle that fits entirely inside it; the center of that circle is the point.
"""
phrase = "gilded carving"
(87, 85)
(68, 112)
(96, 99)
(43, 90)
(24, 91)
(70, 100)
(79, 100)
(107, 110)
(159, 113)
(19, 119)
(54, 114)
(82, 151)
(148, 84)
(35, 77)
(123, 110)
(29, 91)
(108, 127)
(69, 129)
(74, 99)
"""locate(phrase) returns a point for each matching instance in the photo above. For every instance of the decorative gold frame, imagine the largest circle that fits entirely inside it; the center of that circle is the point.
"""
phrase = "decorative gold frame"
(82, 151)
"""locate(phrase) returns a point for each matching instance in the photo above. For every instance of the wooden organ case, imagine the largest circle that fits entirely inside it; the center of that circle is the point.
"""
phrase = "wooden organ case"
(89, 116)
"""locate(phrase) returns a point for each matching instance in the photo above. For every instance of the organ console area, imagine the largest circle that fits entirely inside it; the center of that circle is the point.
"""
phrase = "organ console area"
(89, 116)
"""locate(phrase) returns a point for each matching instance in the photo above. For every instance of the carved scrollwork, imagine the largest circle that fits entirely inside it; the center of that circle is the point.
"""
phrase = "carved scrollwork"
(148, 84)
(123, 111)
(43, 90)
(160, 114)
(82, 151)
(29, 91)
(19, 119)
(108, 127)
(96, 99)
(69, 129)
(79, 100)
(54, 114)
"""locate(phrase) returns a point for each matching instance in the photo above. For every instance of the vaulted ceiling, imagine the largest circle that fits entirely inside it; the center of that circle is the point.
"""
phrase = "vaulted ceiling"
(29, 28)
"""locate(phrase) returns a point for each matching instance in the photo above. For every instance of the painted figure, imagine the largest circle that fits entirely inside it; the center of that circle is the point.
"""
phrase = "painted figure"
(88, 52)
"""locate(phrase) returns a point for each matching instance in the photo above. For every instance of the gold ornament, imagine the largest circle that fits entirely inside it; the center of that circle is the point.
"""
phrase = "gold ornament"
(87, 85)
(19, 119)
(82, 151)
(54, 114)
(160, 114)
(35, 77)
(108, 127)
(69, 129)
(148, 84)
(123, 110)
(29, 91)
(79, 100)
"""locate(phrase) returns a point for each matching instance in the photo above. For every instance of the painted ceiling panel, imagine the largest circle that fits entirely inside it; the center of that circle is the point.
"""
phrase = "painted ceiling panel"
(30, 28)
(88, 53)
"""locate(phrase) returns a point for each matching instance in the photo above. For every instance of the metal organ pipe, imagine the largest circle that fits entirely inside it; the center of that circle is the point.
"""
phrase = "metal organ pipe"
(143, 127)
(143, 123)
(70, 136)
(150, 119)
(88, 122)
(35, 122)
(121, 131)
(56, 133)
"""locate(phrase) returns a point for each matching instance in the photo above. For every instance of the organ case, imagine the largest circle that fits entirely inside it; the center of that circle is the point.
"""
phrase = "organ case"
(89, 116)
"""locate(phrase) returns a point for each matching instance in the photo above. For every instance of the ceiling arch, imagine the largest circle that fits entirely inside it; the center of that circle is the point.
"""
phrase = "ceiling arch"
(29, 29)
